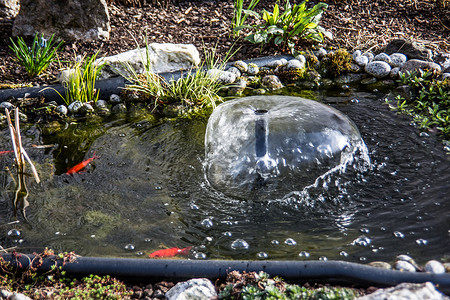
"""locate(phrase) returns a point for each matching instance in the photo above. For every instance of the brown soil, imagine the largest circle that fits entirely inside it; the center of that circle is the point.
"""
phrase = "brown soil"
(355, 24)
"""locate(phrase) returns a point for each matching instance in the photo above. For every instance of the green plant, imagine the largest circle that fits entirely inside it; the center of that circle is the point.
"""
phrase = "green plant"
(36, 58)
(80, 85)
(240, 14)
(337, 62)
(284, 27)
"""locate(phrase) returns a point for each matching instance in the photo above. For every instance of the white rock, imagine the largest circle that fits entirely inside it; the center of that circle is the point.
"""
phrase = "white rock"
(100, 103)
(362, 60)
(302, 58)
(119, 108)
(61, 109)
(413, 65)
(398, 59)
(406, 291)
(75, 106)
(274, 63)
(356, 54)
(378, 69)
(114, 99)
(433, 266)
(9, 8)
(394, 72)
(194, 289)
(224, 77)
(295, 64)
(369, 55)
(235, 71)
(7, 105)
(402, 265)
(382, 57)
(162, 58)
(271, 82)
(242, 66)
(319, 53)
(252, 69)
(17, 296)
(5, 294)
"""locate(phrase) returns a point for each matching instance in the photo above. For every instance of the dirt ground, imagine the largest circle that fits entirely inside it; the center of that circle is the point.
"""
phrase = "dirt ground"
(355, 24)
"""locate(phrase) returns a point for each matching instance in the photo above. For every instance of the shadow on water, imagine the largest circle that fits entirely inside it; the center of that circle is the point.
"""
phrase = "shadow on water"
(147, 190)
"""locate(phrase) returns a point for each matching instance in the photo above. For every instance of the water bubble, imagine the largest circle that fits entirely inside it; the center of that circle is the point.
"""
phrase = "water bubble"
(362, 258)
(14, 233)
(227, 233)
(343, 253)
(122, 134)
(362, 241)
(57, 233)
(147, 240)
(364, 230)
(200, 255)
(194, 206)
(304, 254)
(209, 239)
(139, 253)
(275, 242)
(421, 242)
(239, 244)
(290, 242)
(207, 223)
(92, 235)
(158, 188)
(398, 234)
(323, 258)
(262, 255)
(129, 247)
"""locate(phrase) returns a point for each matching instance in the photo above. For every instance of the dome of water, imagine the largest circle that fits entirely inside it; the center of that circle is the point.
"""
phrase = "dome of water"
(264, 147)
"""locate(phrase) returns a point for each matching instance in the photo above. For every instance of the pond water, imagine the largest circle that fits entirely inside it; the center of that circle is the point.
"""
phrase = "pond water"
(147, 190)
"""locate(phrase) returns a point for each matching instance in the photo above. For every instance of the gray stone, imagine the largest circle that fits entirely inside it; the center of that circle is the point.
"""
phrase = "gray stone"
(274, 63)
(414, 65)
(356, 54)
(302, 58)
(382, 57)
(412, 50)
(9, 8)
(406, 291)
(100, 104)
(402, 265)
(235, 71)
(18, 296)
(355, 68)
(238, 87)
(5, 294)
(119, 108)
(349, 78)
(378, 69)
(368, 81)
(380, 264)
(85, 20)
(369, 55)
(86, 108)
(295, 64)
(433, 266)
(443, 59)
(252, 69)
(362, 60)
(7, 105)
(114, 99)
(394, 72)
(222, 76)
(194, 289)
(398, 59)
(161, 57)
(242, 66)
(61, 109)
(319, 53)
(74, 107)
(271, 82)
(446, 75)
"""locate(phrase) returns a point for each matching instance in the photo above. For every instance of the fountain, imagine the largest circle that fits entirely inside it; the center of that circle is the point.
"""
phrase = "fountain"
(262, 147)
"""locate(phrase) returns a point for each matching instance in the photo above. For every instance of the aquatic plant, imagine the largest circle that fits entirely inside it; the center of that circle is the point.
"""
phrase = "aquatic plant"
(80, 85)
(37, 57)
(284, 27)
(430, 104)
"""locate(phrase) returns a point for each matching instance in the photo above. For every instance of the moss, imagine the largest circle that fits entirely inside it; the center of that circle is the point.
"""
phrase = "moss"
(336, 63)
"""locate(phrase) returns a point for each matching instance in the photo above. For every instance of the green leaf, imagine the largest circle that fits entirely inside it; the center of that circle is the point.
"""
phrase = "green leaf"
(275, 30)
(251, 13)
(278, 40)
(276, 13)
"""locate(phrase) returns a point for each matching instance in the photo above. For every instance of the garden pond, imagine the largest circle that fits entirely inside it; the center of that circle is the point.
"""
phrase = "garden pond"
(147, 190)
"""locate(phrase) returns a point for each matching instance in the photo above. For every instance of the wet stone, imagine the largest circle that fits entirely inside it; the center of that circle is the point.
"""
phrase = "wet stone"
(302, 58)
(100, 104)
(271, 82)
(380, 264)
(294, 64)
(238, 87)
(368, 81)
(406, 291)
(222, 76)
(394, 72)
(378, 69)
(86, 108)
(433, 266)
(320, 53)
(252, 69)
(398, 59)
(74, 107)
(119, 108)
(235, 71)
(275, 63)
(198, 288)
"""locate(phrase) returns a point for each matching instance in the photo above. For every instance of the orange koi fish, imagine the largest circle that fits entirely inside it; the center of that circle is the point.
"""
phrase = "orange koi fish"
(77, 168)
(171, 252)
(5, 152)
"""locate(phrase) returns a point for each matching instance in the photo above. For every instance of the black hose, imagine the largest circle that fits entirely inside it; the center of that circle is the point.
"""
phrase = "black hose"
(299, 271)
(113, 85)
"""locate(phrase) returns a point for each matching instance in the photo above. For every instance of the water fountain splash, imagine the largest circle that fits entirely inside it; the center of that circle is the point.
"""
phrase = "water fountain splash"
(267, 147)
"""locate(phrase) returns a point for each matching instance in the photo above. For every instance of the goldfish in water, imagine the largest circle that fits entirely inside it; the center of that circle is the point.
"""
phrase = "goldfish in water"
(5, 152)
(77, 168)
(171, 252)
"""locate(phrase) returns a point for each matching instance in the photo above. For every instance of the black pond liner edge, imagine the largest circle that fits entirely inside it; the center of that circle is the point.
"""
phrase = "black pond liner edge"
(113, 85)
(178, 270)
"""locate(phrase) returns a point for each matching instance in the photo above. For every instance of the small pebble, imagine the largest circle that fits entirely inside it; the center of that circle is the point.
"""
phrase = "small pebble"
(402, 265)
(380, 264)
(252, 69)
(114, 99)
(242, 66)
(433, 266)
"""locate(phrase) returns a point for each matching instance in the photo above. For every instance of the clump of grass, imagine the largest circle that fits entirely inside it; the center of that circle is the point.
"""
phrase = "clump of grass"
(430, 104)
(37, 57)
